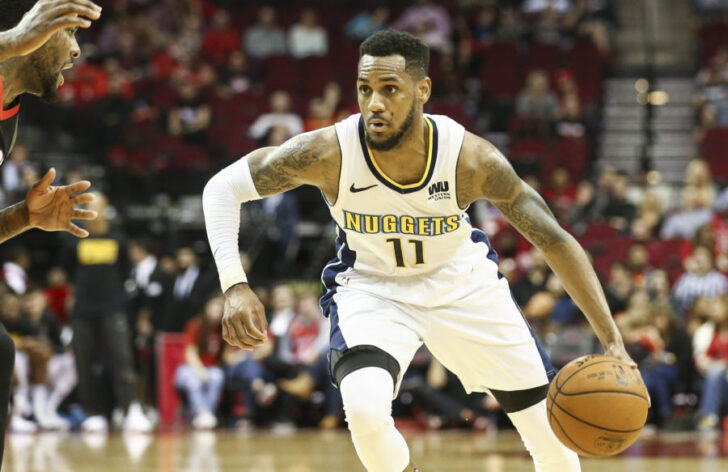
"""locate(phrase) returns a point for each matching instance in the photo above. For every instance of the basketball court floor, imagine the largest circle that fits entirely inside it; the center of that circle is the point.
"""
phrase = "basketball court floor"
(332, 452)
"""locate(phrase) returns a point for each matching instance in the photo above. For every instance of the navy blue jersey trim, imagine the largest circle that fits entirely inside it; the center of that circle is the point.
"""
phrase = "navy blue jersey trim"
(384, 180)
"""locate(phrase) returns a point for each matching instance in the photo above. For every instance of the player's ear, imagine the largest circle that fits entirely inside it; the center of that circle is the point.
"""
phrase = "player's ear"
(424, 89)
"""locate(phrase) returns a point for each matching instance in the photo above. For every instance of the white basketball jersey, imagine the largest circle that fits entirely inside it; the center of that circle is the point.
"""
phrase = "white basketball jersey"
(392, 230)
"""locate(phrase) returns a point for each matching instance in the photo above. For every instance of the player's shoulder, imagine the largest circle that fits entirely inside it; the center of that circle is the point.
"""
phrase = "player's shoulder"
(477, 151)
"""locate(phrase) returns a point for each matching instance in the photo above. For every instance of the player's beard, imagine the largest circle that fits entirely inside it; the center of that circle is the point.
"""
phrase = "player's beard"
(392, 142)
(47, 82)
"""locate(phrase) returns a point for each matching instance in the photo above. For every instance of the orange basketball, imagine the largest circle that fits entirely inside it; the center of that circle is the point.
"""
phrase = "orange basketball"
(597, 405)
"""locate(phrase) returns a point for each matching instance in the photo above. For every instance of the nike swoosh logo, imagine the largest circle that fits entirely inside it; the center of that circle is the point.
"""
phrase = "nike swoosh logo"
(355, 190)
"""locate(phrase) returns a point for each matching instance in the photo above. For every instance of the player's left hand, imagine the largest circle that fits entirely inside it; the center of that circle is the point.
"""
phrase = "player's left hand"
(52, 208)
(618, 351)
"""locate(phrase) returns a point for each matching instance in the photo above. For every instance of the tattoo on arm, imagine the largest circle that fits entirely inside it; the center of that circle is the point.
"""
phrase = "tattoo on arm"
(522, 206)
(286, 167)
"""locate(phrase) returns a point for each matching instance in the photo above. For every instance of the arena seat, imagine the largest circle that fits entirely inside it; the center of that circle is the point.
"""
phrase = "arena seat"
(281, 73)
(713, 36)
(501, 72)
(572, 153)
(715, 151)
(547, 57)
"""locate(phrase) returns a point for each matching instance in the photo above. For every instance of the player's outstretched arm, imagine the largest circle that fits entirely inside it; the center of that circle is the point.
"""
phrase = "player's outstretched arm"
(48, 208)
(311, 158)
(483, 172)
(43, 21)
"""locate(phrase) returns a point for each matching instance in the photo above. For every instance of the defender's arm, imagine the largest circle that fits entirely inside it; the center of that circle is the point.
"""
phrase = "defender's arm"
(483, 172)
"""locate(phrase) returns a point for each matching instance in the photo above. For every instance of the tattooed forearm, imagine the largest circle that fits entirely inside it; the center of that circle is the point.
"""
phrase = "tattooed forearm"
(528, 213)
(13, 221)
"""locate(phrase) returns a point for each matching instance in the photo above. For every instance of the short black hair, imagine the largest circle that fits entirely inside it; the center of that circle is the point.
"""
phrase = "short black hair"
(389, 42)
(12, 11)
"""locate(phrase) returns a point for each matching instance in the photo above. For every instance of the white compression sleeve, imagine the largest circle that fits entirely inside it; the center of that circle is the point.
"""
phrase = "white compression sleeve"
(221, 201)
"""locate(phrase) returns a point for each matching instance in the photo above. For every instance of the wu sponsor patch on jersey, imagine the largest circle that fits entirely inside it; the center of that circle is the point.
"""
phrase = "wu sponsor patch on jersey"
(439, 191)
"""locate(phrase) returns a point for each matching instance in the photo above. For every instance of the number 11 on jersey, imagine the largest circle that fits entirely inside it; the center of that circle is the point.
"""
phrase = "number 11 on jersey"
(399, 255)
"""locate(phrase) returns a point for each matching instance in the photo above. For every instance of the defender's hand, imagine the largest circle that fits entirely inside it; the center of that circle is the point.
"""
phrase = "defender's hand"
(52, 208)
(617, 350)
(44, 20)
(243, 320)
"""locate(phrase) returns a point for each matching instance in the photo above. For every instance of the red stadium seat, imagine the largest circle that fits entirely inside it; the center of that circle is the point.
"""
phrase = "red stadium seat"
(715, 152)
(588, 65)
(501, 72)
(544, 56)
(713, 36)
(572, 153)
(667, 254)
(281, 73)
(454, 110)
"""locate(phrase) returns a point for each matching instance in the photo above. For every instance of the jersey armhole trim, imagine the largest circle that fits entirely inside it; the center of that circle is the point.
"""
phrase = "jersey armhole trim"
(457, 163)
(341, 170)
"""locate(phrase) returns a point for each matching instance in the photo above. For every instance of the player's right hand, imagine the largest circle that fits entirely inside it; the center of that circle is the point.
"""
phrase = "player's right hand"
(243, 321)
(44, 20)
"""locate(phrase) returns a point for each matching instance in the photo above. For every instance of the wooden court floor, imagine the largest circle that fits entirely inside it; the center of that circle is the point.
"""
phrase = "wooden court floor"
(312, 451)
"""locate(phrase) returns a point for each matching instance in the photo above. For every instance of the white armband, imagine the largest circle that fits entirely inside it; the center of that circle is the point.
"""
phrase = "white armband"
(221, 201)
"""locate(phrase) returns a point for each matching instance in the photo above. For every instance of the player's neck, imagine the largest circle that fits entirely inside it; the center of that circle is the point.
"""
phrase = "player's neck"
(410, 149)
(12, 86)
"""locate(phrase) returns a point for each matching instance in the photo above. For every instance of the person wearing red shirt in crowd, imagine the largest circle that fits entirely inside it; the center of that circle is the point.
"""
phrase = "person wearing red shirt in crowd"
(200, 377)
(221, 40)
(715, 367)
(36, 43)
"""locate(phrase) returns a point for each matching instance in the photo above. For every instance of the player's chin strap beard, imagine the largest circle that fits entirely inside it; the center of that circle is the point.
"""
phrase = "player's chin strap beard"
(391, 143)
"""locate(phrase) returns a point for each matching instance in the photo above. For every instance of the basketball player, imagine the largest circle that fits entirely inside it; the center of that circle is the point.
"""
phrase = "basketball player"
(36, 43)
(410, 267)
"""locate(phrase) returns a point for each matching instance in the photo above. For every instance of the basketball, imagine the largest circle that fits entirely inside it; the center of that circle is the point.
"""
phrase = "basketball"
(597, 405)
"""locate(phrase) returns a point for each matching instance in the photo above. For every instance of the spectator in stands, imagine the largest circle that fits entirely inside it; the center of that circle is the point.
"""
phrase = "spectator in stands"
(570, 123)
(201, 378)
(265, 39)
(15, 270)
(191, 116)
(248, 375)
(57, 377)
(322, 110)
(13, 186)
(649, 217)
(511, 26)
(691, 216)
(697, 175)
(429, 22)
(308, 341)
(100, 327)
(715, 73)
(713, 365)
(238, 76)
(307, 37)
(366, 23)
(619, 211)
(536, 101)
(561, 193)
(587, 19)
(280, 114)
(484, 30)
(700, 279)
(58, 292)
(190, 289)
(221, 39)
(620, 288)
(30, 360)
(147, 289)
(719, 225)
(538, 6)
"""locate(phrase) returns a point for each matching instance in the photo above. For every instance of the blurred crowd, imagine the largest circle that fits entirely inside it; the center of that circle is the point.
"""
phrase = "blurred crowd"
(169, 91)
